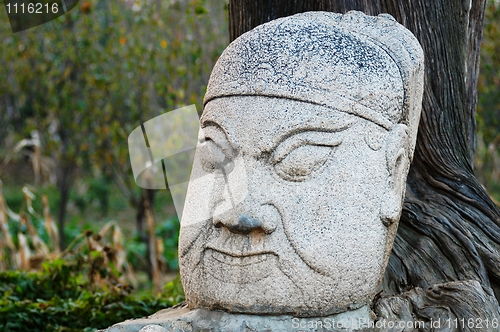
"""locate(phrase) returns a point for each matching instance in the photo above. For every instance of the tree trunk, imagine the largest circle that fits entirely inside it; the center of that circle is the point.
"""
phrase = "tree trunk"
(450, 229)
(146, 200)
(63, 185)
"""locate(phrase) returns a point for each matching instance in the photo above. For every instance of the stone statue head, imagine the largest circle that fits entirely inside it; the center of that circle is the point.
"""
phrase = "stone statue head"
(307, 133)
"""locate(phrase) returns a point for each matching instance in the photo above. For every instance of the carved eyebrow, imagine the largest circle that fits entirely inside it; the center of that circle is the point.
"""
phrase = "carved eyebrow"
(215, 133)
(318, 138)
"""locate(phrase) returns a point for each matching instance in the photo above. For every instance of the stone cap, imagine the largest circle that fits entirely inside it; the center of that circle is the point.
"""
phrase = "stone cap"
(369, 66)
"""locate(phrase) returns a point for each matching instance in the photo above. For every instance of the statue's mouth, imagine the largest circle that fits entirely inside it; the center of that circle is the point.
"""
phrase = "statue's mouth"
(231, 268)
(240, 249)
(238, 259)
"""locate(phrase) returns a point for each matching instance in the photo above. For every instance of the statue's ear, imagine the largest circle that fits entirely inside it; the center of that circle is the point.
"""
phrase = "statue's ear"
(398, 163)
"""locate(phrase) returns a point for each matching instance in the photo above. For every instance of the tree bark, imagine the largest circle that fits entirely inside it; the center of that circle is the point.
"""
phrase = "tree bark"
(450, 229)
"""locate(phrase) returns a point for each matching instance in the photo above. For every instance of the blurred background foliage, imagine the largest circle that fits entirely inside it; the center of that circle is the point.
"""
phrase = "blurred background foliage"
(71, 91)
(81, 246)
(77, 86)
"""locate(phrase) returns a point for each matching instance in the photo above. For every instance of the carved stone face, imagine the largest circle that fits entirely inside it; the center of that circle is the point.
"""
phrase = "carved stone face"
(292, 207)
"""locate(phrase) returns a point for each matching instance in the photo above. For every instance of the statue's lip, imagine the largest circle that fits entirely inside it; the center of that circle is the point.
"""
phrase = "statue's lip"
(240, 254)
(237, 261)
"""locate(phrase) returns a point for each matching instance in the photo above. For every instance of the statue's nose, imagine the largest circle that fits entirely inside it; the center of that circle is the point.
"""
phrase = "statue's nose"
(244, 223)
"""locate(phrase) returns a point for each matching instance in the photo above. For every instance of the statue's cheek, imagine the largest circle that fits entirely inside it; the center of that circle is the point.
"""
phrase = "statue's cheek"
(333, 223)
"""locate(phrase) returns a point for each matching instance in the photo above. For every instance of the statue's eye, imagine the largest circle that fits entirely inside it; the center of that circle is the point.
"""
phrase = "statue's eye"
(213, 158)
(301, 162)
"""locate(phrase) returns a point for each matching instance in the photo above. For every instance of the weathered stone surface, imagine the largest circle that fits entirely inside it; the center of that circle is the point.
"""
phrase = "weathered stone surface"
(200, 320)
(307, 135)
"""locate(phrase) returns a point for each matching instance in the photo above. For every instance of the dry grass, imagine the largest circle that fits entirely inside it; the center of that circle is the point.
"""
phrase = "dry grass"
(25, 248)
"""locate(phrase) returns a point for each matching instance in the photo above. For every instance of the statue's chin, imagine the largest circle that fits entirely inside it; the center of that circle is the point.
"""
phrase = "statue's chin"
(260, 284)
